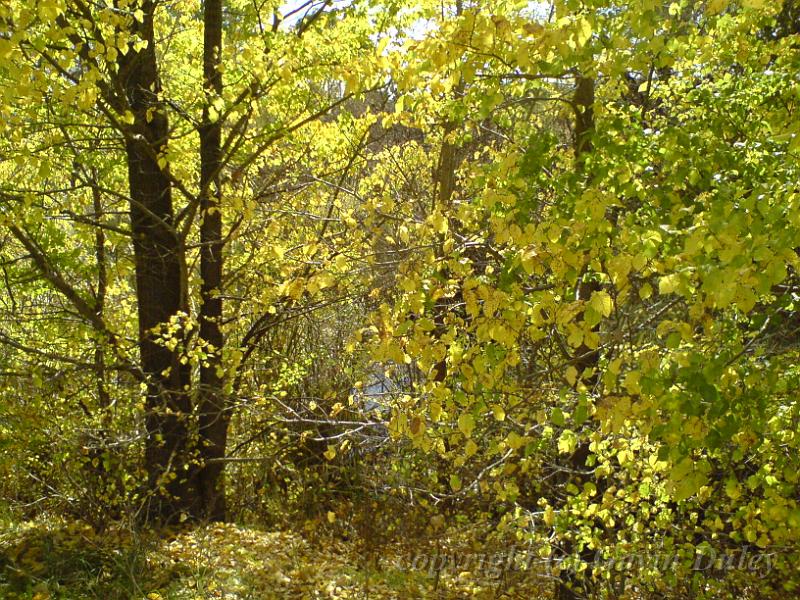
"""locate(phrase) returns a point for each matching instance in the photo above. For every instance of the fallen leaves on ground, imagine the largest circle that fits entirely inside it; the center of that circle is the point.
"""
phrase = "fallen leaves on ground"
(55, 559)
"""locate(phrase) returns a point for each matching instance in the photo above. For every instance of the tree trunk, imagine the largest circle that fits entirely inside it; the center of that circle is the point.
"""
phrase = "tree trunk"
(160, 288)
(583, 104)
(213, 414)
(571, 586)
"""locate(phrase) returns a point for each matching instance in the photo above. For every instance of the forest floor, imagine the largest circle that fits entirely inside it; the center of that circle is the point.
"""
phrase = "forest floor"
(49, 559)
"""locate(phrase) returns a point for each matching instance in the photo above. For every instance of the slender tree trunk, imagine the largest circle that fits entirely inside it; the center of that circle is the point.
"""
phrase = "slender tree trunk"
(160, 288)
(213, 414)
(444, 177)
(570, 586)
(444, 180)
(103, 399)
(106, 479)
(583, 103)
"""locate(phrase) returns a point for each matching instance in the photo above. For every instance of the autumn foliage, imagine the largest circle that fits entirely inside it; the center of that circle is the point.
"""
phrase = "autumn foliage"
(393, 283)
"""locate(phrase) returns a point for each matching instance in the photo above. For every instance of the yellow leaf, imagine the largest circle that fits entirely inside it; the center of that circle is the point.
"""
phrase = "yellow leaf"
(716, 6)
(571, 375)
(435, 410)
(350, 221)
(602, 303)
(514, 440)
(466, 424)
(471, 448)
(498, 412)
(668, 284)
(584, 32)
(523, 55)
(567, 442)
(382, 45)
(439, 222)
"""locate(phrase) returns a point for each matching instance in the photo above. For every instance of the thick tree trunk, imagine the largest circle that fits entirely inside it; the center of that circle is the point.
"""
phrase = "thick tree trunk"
(213, 414)
(160, 288)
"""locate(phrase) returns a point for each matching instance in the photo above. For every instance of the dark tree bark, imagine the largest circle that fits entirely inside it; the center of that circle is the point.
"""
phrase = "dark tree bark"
(160, 285)
(571, 586)
(213, 414)
(583, 104)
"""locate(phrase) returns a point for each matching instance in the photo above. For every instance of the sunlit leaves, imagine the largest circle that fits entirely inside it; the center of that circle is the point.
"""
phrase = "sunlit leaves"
(670, 231)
